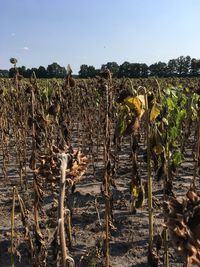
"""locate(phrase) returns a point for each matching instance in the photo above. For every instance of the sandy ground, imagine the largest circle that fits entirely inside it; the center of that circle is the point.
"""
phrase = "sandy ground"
(128, 242)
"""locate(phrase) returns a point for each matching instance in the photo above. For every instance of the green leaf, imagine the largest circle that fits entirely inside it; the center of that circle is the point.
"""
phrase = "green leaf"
(173, 133)
(171, 104)
(184, 100)
(120, 127)
(178, 157)
(180, 116)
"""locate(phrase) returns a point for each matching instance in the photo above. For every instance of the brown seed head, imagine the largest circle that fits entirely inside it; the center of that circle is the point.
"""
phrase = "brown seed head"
(13, 60)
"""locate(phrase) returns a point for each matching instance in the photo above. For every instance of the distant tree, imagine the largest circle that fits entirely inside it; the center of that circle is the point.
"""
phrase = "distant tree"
(172, 68)
(158, 69)
(28, 73)
(12, 72)
(56, 71)
(41, 72)
(143, 70)
(87, 71)
(91, 72)
(98, 71)
(194, 67)
(34, 70)
(4, 73)
(179, 66)
(83, 72)
(134, 71)
(52, 70)
(62, 73)
(183, 65)
(22, 70)
(124, 70)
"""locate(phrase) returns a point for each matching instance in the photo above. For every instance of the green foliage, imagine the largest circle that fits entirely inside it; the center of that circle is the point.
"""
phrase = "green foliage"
(4, 73)
(177, 157)
(87, 72)
(56, 71)
(179, 104)
(179, 67)
(120, 127)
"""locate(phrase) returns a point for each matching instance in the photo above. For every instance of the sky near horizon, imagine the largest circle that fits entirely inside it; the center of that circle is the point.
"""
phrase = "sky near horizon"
(94, 32)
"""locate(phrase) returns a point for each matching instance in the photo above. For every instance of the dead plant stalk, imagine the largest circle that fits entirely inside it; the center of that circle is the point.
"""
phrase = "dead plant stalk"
(61, 211)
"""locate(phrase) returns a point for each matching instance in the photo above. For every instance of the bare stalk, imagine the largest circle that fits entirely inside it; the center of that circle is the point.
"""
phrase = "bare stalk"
(69, 228)
(107, 176)
(196, 153)
(25, 222)
(13, 228)
(64, 158)
(166, 250)
(165, 232)
(150, 205)
(36, 213)
(97, 211)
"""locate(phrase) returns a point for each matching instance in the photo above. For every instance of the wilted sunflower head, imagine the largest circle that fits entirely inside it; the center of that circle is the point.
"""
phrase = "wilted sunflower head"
(106, 74)
(69, 70)
(122, 95)
(13, 60)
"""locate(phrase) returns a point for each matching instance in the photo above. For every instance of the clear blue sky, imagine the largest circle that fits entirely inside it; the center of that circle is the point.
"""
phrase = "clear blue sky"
(93, 32)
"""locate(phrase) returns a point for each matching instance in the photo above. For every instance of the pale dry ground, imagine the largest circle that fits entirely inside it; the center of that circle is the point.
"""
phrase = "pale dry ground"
(128, 243)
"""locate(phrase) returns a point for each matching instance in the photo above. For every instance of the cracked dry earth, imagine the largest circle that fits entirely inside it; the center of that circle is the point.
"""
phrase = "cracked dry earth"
(129, 236)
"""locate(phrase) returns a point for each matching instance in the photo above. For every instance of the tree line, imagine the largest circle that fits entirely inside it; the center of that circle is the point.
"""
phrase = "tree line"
(53, 70)
(179, 67)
